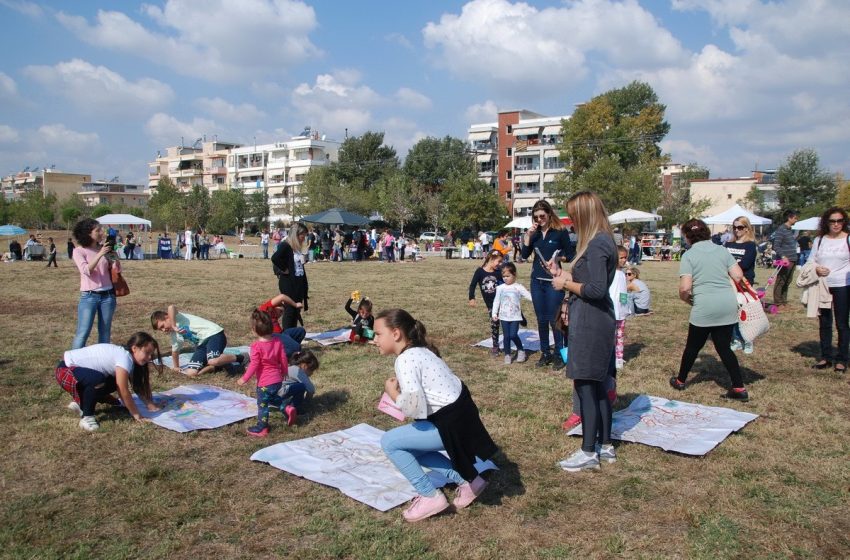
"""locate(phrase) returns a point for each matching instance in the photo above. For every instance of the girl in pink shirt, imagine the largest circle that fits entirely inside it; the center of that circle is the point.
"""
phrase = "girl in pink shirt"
(93, 258)
(268, 362)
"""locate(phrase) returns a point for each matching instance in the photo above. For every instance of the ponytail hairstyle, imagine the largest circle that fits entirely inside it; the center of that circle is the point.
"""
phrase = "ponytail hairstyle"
(141, 374)
(306, 360)
(412, 330)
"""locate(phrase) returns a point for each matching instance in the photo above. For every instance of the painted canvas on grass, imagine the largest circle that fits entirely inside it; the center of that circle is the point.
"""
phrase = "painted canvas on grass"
(327, 338)
(186, 356)
(199, 407)
(352, 461)
(530, 341)
(691, 429)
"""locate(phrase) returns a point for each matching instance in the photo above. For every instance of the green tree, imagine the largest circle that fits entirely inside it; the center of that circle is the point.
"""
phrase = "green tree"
(397, 199)
(35, 210)
(434, 208)
(754, 201)
(166, 205)
(363, 160)
(101, 210)
(258, 208)
(6, 210)
(619, 188)
(197, 206)
(803, 185)
(842, 191)
(72, 209)
(227, 211)
(323, 189)
(431, 161)
(472, 203)
(677, 206)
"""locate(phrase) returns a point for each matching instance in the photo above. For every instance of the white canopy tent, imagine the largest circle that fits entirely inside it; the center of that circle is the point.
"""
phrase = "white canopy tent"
(728, 216)
(809, 224)
(523, 222)
(123, 220)
(632, 216)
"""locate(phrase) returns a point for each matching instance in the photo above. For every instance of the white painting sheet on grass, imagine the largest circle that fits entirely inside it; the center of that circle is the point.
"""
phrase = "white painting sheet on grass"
(327, 338)
(186, 356)
(530, 340)
(351, 461)
(198, 407)
(691, 429)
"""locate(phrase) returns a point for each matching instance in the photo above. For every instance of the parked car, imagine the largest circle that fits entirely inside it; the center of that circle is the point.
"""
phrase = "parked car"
(430, 237)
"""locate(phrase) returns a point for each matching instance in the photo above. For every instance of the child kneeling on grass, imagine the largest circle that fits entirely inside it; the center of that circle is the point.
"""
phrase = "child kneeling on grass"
(445, 418)
(207, 337)
(92, 374)
(297, 386)
(268, 362)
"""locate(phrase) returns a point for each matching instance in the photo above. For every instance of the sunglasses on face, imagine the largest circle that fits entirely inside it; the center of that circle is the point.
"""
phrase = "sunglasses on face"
(739, 228)
(630, 274)
(540, 216)
(838, 221)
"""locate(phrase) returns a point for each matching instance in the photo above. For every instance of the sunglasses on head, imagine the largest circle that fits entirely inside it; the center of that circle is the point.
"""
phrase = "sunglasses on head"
(838, 221)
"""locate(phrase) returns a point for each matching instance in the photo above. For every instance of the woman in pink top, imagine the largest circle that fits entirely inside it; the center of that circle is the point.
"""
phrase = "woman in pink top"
(93, 259)
(269, 363)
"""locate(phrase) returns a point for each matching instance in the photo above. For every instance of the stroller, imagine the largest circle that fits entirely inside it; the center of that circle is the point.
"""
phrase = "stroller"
(766, 255)
(779, 264)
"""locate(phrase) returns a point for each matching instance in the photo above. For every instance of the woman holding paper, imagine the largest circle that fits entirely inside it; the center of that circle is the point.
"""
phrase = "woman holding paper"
(445, 418)
(592, 327)
(547, 239)
(288, 265)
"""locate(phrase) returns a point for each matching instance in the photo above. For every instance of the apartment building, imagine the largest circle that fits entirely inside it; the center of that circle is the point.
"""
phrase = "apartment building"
(203, 163)
(725, 193)
(114, 194)
(48, 181)
(518, 155)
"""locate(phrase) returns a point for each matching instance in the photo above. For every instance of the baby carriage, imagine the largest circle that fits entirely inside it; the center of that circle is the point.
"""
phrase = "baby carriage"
(767, 255)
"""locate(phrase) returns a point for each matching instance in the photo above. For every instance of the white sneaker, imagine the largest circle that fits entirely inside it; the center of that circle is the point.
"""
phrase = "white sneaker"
(520, 356)
(580, 461)
(607, 453)
(748, 348)
(73, 406)
(89, 423)
(736, 345)
(507, 359)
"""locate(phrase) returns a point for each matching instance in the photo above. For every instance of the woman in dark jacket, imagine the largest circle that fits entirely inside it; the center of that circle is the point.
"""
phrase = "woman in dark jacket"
(288, 264)
(591, 327)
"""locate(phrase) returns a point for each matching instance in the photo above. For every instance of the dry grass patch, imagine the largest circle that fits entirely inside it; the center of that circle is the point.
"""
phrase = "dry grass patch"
(777, 489)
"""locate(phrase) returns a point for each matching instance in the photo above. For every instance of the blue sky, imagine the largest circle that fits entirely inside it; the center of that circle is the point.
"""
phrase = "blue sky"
(99, 87)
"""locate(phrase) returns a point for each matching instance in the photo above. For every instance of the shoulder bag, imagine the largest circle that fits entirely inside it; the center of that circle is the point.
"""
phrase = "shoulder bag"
(752, 320)
(119, 285)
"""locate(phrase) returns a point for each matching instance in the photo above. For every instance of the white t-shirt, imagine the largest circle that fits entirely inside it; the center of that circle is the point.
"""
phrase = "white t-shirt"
(506, 302)
(299, 263)
(426, 382)
(264, 238)
(100, 357)
(619, 295)
(835, 255)
(187, 239)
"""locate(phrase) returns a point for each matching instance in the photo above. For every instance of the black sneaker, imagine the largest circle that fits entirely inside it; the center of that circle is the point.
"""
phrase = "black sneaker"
(737, 395)
(545, 360)
(676, 384)
(558, 363)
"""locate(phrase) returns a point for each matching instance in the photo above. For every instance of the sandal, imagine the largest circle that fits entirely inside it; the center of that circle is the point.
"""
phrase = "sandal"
(823, 364)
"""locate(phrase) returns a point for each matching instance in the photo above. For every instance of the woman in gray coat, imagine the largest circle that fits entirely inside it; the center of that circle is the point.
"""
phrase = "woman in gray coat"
(591, 327)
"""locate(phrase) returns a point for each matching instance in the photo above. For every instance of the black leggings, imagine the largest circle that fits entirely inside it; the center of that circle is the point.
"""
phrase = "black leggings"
(595, 413)
(841, 310)
(722, 338)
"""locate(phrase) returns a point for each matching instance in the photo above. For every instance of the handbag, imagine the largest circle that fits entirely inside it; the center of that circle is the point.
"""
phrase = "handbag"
(752, 320)
(119, 285)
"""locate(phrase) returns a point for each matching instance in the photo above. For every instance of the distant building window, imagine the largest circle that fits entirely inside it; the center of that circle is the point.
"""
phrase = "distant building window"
(729, 196)
(508, 174)
(510, 129)
(509, 152)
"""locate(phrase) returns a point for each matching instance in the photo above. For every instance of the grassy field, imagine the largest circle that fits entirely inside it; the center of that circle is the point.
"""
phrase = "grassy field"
(778, 489)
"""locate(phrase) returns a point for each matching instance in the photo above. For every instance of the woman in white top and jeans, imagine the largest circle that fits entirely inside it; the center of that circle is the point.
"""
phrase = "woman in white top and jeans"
(831, 254)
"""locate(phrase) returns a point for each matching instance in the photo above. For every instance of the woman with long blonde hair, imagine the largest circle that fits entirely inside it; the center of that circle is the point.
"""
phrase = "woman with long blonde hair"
(592, 327)
(288, 265)
(544, 238)
(743, 248)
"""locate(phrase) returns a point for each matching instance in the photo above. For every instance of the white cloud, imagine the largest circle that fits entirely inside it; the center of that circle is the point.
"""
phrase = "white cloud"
(400, 40)
(268, 90)
(516, 47)
(335, 102)
(99, 89)
(167, 130)
(683, 151)
(8, 135)
(8, 87)
(401, 134)
(215, 40)
(412, 99)
(24, 7)
(219, 108)
(482, 113)
(58, 135)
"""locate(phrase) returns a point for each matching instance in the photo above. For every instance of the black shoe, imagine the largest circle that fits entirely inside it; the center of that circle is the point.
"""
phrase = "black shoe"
(558, 363)
(676, 384)
(737, 395)
(840, 368)
(823, 364)
(545, 360)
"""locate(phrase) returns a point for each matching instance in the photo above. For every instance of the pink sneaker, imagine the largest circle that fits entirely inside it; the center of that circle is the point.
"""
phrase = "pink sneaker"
(571, 422)
(291, 414)
(424, 506)
(466, 493)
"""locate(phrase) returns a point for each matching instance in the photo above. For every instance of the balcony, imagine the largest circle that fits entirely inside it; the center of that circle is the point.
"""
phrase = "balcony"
(533, 166)
(526, 188)
(215, 170)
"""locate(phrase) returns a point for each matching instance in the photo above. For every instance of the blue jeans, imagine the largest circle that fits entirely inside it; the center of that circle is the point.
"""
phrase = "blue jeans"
(547, 302)
(101, 303)
(413, 446)
(267, 396)
(291, 339)
(265, 251)
(510, 332)
(294, 395)
(804, 256)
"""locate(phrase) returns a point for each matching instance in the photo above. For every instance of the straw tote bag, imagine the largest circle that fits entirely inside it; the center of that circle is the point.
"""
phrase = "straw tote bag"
(752, 320)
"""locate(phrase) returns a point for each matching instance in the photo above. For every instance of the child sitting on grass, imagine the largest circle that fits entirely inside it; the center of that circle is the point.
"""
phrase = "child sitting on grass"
(268, 363)
(297, 386)
(362, 319)
(207, 337)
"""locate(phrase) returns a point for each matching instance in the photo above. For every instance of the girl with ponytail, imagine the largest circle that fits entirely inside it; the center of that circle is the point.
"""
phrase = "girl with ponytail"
(445, 418)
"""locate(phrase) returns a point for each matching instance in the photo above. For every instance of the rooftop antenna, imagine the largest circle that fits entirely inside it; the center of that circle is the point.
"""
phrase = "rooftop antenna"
(114, 179)
(197, 143)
